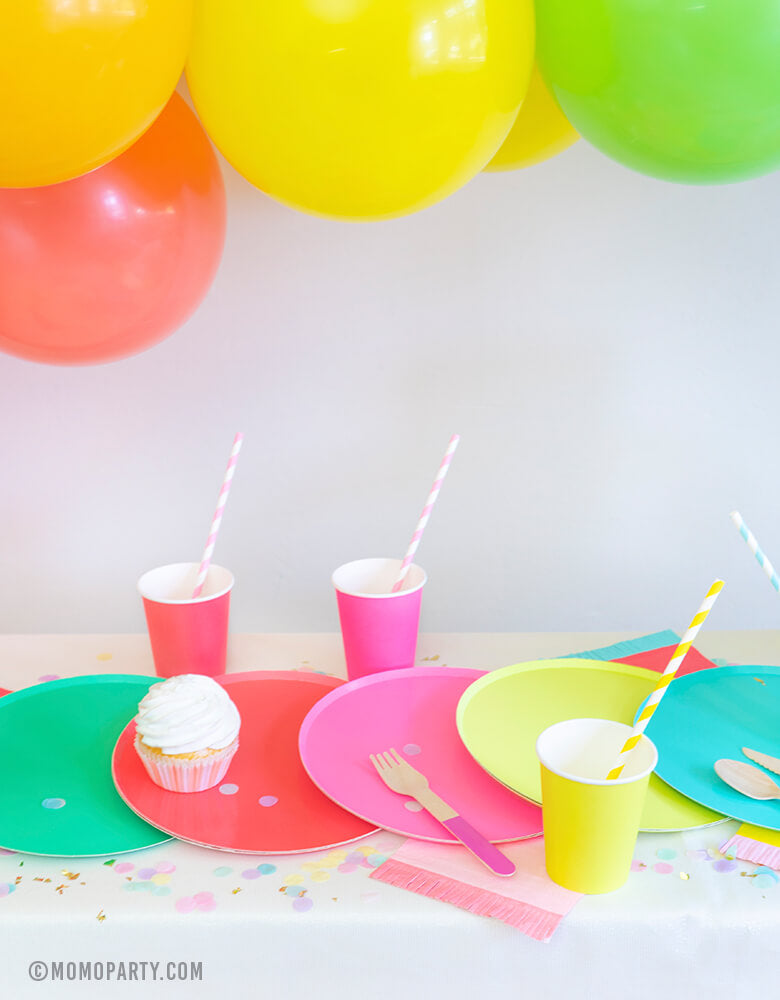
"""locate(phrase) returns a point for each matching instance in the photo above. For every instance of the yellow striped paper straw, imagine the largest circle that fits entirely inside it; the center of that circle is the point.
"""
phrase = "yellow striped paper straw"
(666, 678)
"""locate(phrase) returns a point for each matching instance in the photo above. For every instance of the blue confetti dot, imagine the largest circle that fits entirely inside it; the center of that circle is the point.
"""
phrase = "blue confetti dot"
(266, 869)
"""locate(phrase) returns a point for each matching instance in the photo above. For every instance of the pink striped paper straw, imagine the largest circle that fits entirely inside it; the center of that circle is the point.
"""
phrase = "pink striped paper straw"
(426, 513)
(217, 520)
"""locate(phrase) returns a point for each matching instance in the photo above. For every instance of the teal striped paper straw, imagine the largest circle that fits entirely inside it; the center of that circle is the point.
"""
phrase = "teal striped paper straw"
(754, 547)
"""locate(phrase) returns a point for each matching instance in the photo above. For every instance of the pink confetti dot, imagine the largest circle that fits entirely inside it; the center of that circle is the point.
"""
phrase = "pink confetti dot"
(268, 800)
(347, 868)
(123, 866)
(205, 901)
(165, 866)
(638, 866)
(186, 904)
(663, 868)
(5, 889)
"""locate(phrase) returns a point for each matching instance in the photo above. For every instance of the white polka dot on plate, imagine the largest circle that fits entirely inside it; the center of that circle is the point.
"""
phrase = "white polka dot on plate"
(53, 803)
(228, 789)
(412, 806)
(268, 800)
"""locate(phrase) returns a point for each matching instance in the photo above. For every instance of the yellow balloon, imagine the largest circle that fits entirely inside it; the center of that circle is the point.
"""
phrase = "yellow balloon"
(360, 109)
(80, 80)
(540, 132)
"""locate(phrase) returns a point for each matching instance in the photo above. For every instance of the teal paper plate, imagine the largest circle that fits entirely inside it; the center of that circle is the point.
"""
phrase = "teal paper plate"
(57, 796)
(712, 714)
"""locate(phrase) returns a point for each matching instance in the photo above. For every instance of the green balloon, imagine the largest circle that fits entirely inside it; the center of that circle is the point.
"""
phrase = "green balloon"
(683, 90)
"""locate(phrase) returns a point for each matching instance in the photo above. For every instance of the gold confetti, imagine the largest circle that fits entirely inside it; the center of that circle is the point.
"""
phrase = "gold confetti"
(684, 876)
(101, 917)
(61, 887)
(760, 681)
(436, 657)
(236, 891)
(71, 875)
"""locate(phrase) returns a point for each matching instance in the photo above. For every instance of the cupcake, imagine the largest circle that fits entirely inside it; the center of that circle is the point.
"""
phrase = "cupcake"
(187, 732)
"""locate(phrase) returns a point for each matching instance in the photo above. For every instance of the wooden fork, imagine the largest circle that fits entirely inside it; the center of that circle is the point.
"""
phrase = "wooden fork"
(399, 776)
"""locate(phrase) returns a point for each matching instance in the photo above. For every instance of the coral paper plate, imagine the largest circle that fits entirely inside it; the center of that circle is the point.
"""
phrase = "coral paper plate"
(412, 710)
(501, 715)
(266, 803)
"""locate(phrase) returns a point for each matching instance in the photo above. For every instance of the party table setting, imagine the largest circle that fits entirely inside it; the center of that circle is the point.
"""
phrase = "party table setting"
(211, 804)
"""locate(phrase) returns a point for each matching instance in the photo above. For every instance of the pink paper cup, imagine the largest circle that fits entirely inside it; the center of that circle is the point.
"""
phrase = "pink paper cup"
(379, 628)
(188, 635)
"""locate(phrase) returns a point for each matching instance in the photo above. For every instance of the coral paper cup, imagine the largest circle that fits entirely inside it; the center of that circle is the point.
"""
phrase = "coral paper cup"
(591, 824)
(188, 635)
(379, 628)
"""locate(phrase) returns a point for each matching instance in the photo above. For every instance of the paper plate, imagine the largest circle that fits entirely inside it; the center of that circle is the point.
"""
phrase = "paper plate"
(412, 710)
(265, 804)
(56, 794)
(500, 716)
(706, 716)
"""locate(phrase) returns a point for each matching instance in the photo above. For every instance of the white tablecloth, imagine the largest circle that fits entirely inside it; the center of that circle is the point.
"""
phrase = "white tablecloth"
(689, 923)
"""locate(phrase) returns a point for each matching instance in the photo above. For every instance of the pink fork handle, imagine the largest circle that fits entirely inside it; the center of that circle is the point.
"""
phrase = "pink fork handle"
(481, 848)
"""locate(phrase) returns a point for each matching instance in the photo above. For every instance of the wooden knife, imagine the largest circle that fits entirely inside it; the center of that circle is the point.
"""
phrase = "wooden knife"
(770, 763)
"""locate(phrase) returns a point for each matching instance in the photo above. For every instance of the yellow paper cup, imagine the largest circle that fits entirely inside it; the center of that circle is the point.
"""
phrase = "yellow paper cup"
(591, 824)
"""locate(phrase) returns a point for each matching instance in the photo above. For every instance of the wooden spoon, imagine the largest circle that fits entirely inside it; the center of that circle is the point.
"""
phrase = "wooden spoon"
(747, 779)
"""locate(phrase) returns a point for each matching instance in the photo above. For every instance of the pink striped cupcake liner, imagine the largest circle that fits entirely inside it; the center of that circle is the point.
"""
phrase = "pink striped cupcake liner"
(182, 775)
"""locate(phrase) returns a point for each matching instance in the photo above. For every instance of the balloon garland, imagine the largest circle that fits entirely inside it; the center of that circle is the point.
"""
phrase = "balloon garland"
(354, 110)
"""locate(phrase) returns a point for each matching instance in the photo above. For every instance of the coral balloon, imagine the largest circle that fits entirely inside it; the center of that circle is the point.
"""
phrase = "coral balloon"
(107, 264)
(683, 91)
(540, 132)
(360, 109)
(82, 79)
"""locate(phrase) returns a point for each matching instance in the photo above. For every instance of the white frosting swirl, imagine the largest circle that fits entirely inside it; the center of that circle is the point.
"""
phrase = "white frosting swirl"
(186, 713)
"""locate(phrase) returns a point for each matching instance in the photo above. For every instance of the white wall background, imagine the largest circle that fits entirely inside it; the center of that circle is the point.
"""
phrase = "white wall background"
(607, 346)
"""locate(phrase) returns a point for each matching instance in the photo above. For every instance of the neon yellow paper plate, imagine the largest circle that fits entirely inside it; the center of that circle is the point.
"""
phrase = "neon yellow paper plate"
(500, 716)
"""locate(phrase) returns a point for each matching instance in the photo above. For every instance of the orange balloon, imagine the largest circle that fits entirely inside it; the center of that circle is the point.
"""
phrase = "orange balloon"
(109, 263)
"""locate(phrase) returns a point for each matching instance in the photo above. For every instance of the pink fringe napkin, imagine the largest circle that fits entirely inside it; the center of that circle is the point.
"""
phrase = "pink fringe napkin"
(756, 844)
(528, 900)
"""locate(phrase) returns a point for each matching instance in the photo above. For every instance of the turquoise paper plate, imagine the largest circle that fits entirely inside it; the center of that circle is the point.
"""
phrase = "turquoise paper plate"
(712, 714)
(57, 796)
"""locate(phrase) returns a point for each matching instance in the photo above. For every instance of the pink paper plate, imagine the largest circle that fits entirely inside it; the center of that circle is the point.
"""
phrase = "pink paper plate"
(412, 710)
(266, 803)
